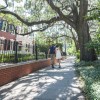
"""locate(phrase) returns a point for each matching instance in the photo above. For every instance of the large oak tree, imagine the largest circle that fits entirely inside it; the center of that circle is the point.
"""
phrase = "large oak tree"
(72, 12)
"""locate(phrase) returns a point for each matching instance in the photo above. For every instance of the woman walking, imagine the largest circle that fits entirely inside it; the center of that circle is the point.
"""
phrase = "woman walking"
(58, 55)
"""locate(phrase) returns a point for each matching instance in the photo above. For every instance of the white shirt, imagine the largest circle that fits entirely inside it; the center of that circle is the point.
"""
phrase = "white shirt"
(58, 53)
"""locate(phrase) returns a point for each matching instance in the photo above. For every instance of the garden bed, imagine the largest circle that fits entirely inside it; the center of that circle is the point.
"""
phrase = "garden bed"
(90, 73)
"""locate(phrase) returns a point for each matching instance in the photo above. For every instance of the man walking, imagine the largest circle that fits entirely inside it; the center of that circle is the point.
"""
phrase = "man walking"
(51, 51)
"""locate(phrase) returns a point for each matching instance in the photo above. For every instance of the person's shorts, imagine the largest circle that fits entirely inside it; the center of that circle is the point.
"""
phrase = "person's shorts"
(52, 56)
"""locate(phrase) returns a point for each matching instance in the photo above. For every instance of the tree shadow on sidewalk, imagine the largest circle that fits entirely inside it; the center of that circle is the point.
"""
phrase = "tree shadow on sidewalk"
(45, 84)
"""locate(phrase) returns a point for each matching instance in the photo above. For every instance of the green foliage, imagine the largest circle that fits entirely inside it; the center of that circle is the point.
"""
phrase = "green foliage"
(95, 43)
(95, 13)
(90, 72)
(25, 57)
(10, 58)
(71, 49)
(43, 48)
(4, 58)
(78, 54)
(27, 5)
(41, 56)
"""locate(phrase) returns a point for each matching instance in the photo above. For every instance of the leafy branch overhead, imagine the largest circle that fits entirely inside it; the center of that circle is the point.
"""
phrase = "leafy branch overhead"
(58, 14)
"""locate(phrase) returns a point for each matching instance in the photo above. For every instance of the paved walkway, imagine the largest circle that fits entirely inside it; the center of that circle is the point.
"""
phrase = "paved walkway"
(45, 84)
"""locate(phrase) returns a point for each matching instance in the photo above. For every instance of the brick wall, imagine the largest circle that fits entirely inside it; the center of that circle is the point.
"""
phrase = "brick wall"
(9, 74)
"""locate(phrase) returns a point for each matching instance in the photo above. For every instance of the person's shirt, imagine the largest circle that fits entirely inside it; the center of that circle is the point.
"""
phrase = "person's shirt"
(58, 50)
(52, 50)
(58, 53)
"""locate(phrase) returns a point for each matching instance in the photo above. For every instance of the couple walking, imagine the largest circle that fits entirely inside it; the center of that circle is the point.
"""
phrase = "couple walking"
(54, 51)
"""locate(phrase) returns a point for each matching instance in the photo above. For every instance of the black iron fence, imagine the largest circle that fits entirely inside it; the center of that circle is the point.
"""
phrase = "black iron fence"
(13, 52)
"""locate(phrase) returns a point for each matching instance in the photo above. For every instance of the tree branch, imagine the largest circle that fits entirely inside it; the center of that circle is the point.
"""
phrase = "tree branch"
(54, 19)
(37, 30)
(66, 18)
(55, 8)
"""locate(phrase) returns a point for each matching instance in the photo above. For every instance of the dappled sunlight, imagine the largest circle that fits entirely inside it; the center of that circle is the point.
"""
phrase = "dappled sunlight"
(57, 83)
(59, 78)
(68, 64)
(32, 89)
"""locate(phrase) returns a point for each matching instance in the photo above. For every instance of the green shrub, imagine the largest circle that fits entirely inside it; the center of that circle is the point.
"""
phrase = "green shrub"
(78, 54)
(90, 72)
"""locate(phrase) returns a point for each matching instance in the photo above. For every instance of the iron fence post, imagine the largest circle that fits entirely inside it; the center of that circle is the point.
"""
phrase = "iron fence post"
(16, 55)
(46, 55)
(36, 52)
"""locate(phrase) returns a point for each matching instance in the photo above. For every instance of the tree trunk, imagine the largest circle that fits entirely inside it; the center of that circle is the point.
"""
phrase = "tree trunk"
(82, 30)
(86, 54)
(75, 40)
(76, 45)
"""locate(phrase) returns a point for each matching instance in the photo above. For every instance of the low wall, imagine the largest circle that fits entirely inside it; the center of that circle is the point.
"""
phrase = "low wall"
(12, 72)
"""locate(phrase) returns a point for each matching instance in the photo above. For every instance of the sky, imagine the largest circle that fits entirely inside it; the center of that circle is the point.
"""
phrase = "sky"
(2, 2)
(16, 4)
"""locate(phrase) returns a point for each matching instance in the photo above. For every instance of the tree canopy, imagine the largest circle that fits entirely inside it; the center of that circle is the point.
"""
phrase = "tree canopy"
(43, 14)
